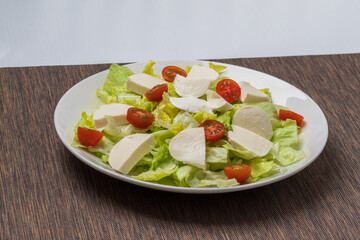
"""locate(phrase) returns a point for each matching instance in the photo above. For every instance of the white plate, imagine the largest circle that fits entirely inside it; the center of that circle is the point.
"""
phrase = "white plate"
(313, 136)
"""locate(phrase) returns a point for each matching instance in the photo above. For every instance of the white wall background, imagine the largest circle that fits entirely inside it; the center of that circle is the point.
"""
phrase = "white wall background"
(45, 32)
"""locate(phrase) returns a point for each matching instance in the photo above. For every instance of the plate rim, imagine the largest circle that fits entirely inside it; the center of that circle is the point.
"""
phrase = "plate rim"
(187, 190)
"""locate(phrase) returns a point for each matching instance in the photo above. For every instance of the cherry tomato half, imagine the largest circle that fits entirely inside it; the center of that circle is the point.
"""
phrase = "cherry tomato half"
(229, 90)
(88, 137)
(169, 73)
(214, 130)
(139, 117)
(241, 172)
(285, 114)
(156, 93)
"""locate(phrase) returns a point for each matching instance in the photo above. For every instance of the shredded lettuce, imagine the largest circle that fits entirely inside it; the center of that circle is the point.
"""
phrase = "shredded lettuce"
(225, 118)
(217, 68)
(202, 116)
(117, 77)
(148, 69)
(165, 112)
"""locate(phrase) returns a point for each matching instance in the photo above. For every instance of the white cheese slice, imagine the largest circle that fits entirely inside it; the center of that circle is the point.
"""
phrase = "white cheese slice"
(129, 150)
(250, 94)
(244, 139)
(140, 83)
(185, 86)
(255, 120)
(116, 110)
(216, 102)
(189, 147)
(191, 104)
(199, 72)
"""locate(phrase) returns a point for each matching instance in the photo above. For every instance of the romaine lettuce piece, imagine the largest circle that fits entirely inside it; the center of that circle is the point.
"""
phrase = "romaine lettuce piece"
(117, 77)
(171, 90)
(161, 171)
(243, 154)
(217, 68)
(165, 112)
(148, 69)
(203, 179)
(225, 118)
(202, 116)
(260, 167)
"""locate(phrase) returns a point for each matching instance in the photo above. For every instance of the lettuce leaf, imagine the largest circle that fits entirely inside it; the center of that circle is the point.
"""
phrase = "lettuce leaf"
(148, 69)
(217, 68)
(202, 116)
(161, 171)
(203, 179)
(165, 112)
(216, 158)
(105, 97)
(225, 118)
(182, 121)
(260, 167)
(117, 77)
(243, 154)
(171, 90)
(140, 102)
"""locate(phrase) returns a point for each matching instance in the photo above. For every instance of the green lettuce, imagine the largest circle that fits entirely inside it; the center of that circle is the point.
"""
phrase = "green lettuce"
(239, 153)
(202, 116)
(182, 121)
(216, 158)
(117, 77)
(165, 112)
(225, 118)
(161, 171)
(171, 90)
(217, 68)
(203, 179)
(139, 102)
(148, 69)
(260, 167)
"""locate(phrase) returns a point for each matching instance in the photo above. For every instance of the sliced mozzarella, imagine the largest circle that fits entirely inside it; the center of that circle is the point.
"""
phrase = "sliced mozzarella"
(244, 139)
(129, 150)
(187, 87)
(249, 94)
(140, 83)
(216, 102)
(116, 110)
(199, 72)
(255, 120)
(191, 104)
(189, 147)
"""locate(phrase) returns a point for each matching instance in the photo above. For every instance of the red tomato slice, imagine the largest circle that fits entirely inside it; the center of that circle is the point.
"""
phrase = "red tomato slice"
(139, 117)
(241, 172)
(169, 73)
(229, 90)
(285, 114)
(88, 137)
(156, 93)
(214, 130)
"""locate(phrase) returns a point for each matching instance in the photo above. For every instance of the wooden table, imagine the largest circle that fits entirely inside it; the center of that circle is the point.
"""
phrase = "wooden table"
(46, 193)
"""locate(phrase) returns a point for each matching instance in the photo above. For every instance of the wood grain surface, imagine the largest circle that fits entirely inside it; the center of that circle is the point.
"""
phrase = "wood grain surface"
(46, 193)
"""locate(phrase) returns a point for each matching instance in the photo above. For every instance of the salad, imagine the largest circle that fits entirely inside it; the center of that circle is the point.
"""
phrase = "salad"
(191, 127)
